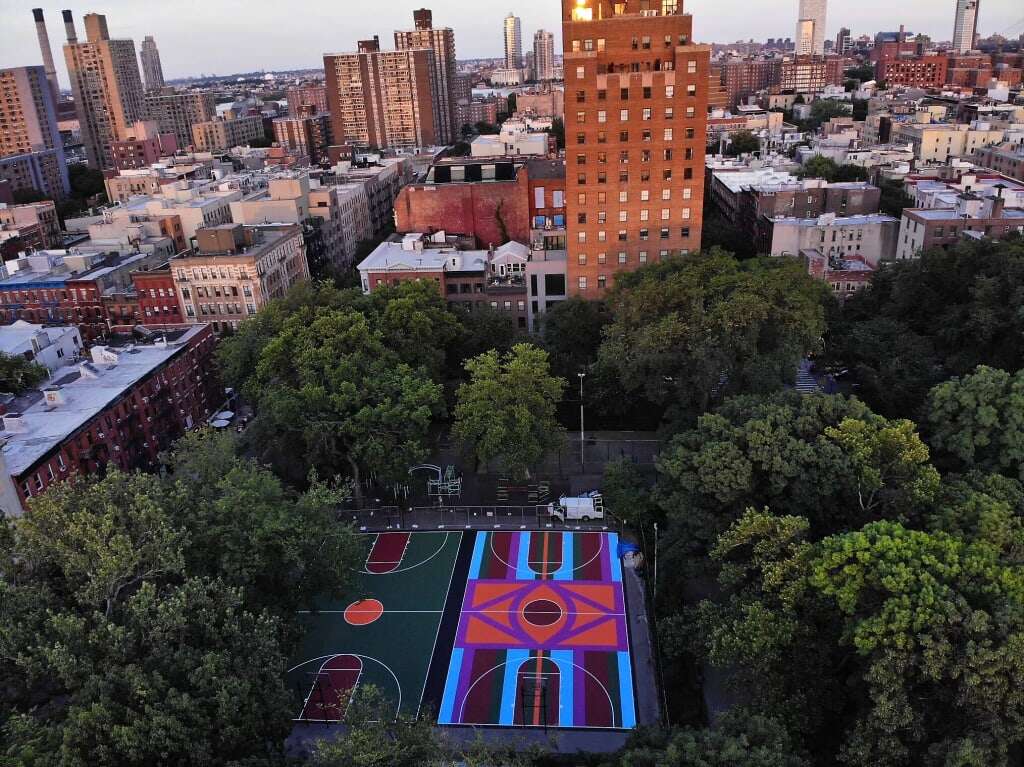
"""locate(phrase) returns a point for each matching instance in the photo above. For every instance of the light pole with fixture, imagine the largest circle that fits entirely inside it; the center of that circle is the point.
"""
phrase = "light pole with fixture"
(583, 464)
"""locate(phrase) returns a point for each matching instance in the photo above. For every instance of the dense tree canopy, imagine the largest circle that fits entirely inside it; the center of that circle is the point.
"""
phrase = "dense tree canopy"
(506, 411)
(18, 374)
(925, 320)
(688, 331)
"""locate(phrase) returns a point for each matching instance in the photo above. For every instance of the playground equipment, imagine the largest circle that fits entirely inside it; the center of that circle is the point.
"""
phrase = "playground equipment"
(444, 483)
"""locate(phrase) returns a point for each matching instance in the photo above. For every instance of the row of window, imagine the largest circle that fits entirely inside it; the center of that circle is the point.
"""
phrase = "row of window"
(645, 175)
(645, 215)
(645, 234)
(647, 92)
(646, 136)
(667, 155)
(646, 114)
(645, 195)
(691, 67)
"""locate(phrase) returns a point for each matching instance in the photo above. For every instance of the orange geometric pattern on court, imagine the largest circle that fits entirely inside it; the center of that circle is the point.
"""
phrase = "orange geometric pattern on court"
(364, 612)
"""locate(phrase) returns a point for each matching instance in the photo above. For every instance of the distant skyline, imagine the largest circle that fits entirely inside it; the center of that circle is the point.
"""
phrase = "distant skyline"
(212, 36)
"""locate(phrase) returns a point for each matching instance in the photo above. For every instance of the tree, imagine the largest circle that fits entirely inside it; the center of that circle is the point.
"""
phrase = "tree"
(507, 409)
(376, 737)
(558, 129)
(861, 73)
(688, 331)
(894, 198)
(185, 675)
(978, 421)
(819, 167)
(742, 142)
(485, 328)
(18, 374)
(740, 738)
(26, 196)
(572, 332)
(334, 397)
(484, 128)
(99, 540)
(850, 173)
(245, 527)
(825, 458)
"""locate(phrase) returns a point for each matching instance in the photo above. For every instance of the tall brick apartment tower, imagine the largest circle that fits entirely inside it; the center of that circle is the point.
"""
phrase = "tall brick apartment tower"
(636, 93)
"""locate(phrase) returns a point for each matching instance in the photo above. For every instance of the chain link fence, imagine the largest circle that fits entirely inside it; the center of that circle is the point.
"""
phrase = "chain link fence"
(461, 517)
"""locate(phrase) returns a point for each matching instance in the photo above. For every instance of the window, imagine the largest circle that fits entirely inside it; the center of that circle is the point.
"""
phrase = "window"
(691, 67)
(581, 218)
(623, 216)
(602, 236)
(624, 157)
(647, 92)
(581, 159)
(582, 259)
(687, 193)
(602, 116)
(670, 91)
(624, 136)
(602, 137)
(624, 94)
(623, 115)
(581, 117)
(666, 214)
(622, 256)
(602, 216)
(581, 138)
(623, 176)
(684, 232)
(643, 256)
(690, 112)
(666, 194)
(581, 198)
(667, 155)
(580, 73)
(582, 282)
(664, 233)
(581, 179)
(645, 195)
(602, 258)
(602, 95)
(691, 90)
(645, 214)
(623, 196)
(645, 234)
(581, 236)
(666, 175)
(686, 214)
(645, 135)
(581, 97)
(647, 113)
(602, 158)
(602, 282)
(588, 45)
(687, 174)
(667, 134)
(690, 133)
(670, 113)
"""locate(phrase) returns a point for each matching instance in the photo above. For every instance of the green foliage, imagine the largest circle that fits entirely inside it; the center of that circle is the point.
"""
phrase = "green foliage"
(486, 129)
(742, 142)
(572, 331)
(861, 73)
(133, 627)
(485, 328)
(740, 738)
(377, 738)
(689, 330)
(927, 319)
(507, 409)
(978, 420)
(558, 129)
(86, 182)
(826, 168)
(627, 493)
(894, 198)
(828, 459)
(18, 374)
(26, 196)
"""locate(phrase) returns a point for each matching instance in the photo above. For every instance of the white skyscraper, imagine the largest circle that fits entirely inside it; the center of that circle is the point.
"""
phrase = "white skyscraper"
(544, 55)
(810, 28)
(513, 42)
(966, 25)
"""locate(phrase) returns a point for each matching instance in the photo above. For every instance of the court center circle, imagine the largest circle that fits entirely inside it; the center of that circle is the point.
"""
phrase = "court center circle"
(542, 612)
(364, 612)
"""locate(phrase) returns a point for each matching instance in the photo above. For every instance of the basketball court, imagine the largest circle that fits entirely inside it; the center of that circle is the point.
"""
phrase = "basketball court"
(500, 629)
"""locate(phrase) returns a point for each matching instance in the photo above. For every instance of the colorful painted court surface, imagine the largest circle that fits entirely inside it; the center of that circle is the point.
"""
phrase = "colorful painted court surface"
(505, 629)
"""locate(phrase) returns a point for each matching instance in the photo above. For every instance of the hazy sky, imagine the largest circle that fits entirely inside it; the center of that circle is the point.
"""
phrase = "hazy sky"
(226, 36)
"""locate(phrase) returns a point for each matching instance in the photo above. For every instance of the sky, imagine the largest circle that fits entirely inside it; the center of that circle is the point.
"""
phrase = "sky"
(216, 37)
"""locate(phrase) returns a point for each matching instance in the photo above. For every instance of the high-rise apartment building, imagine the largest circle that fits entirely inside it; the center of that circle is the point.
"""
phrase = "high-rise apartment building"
(383, 99)
(543, 55)
(844, 42)
(107, 87)
(441, 40)
(177, 112)
(513, 33)
(152, 70)
(810, 28)
(635, 125)
(965, 27)
(28, 131)
(304, 96)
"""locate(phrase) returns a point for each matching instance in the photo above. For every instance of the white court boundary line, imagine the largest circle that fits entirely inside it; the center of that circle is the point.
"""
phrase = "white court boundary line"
(530, 564)
(366, 564)
(398, 685)
(352, 692)
(558, 663)
(410, 567)
(437, 631)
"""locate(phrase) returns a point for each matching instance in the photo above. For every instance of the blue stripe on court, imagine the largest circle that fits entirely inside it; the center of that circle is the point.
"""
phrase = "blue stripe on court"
(478, 555)
(565, 572)
(626, 691)
(513, 660)
(566, 699)
(451, 685)
(613, 555)
(523, 571)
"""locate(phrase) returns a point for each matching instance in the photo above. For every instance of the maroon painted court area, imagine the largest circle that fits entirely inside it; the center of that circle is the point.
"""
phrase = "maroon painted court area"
(386, 554)
(332, 688)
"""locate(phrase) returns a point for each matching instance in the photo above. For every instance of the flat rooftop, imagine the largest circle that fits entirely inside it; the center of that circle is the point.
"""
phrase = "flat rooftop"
(950, 214)
(88, 389)
(874, 218)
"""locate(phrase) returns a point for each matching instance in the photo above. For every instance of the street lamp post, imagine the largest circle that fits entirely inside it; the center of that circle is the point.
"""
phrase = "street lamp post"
(583, 464)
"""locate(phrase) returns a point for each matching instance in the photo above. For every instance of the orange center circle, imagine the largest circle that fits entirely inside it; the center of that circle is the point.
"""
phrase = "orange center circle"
(364, 612)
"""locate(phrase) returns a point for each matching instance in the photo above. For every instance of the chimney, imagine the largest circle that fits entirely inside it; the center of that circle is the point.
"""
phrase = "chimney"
(423, 18)
(69, 26)
(44, 48)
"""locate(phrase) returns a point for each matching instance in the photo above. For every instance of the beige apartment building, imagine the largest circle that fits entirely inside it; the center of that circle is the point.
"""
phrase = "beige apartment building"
(383, 99)
(225, 134)
(106, 84)
(939, 142)
(236, 270)
(177, 112)
(442, 42)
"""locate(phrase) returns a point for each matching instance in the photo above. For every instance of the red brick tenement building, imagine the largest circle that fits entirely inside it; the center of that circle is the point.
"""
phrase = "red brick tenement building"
(635, 126)
(118, 410)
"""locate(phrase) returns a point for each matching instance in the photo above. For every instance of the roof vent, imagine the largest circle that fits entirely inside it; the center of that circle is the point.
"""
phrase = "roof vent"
(14, 423)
